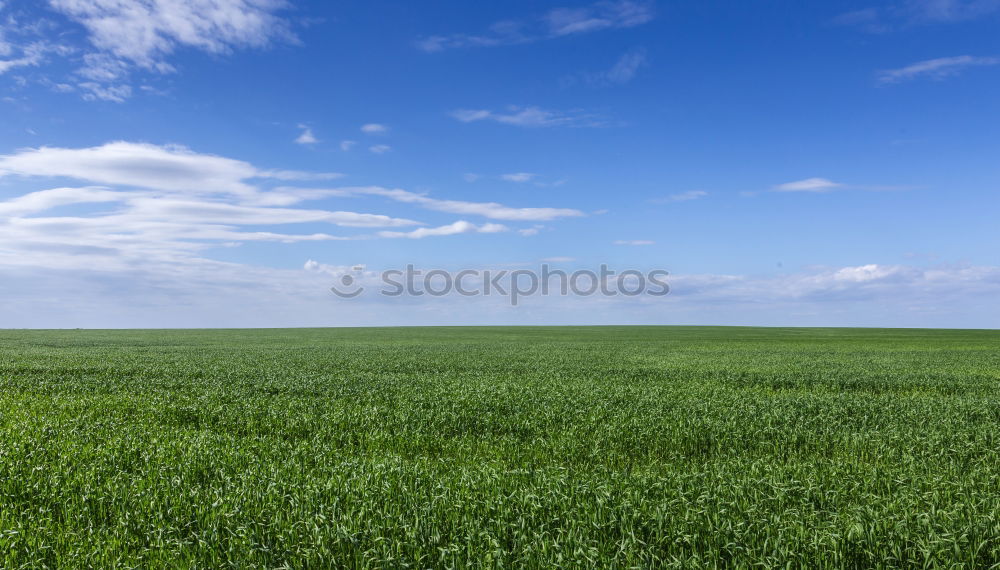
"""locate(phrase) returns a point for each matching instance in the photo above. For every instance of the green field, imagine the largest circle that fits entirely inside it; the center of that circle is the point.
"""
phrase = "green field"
(512, 447)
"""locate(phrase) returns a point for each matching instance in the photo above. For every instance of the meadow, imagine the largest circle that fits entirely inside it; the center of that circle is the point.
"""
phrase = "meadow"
(500, 447)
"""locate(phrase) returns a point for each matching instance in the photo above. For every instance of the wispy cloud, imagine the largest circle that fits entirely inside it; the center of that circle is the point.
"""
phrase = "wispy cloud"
(169, 204)
(374, 128)
(623, 70)
(529, 117)
(499, 34)
(943, 11)
(809, 185)
(54, 228)
(459, 227)
(347, 145)
(380, 148)
(600, 16)
(556, 23)
(225, 213)
(128, 37)
(907, 13)
(682, 197)
(307, 136)
(298, 175)
(936, 69)
(626, 67)
(165, 206)
(173, 168)
(490, 210)
(28, 56)
(518, 177)
(820, 185)
(289, 195)
(93, 91)
(145, 34)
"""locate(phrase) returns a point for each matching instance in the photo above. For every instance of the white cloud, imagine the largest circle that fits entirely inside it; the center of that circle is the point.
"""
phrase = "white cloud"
(634, 242)
(98, 92)
(298, 175)
(133, 228)
(173, 184)
(950, 10)
(808, 185)
(470, 177)
(518, 177)
(124, 37)
(459, 227)
(682, 197)
(626, 67)
(286, 196)
(103, 67)
(490, 210)
(201, 211)
(936, 69)
(313, 265)
(307, 136)
(380, 148)
(471, 115)
(166, 205)
(599, 16)
(374, 128)
(347, 145)
(30, 56)
(862, 273)
(40, 201)
(145, 33)
(555, 23)
(169, 204)
(819, 185)
(499, 34)
(528, 117)
(169, 167)
(908, 13)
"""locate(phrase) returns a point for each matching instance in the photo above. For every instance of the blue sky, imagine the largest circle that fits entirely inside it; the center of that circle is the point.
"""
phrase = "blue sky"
(220, 163)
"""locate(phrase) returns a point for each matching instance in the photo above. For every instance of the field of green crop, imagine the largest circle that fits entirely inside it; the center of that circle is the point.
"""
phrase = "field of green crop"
(500, 447)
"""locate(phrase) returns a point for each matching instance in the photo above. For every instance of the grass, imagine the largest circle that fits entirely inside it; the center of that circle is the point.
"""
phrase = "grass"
(500, 447)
